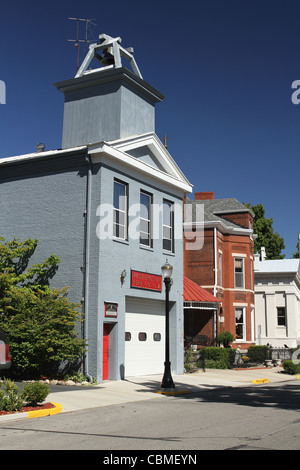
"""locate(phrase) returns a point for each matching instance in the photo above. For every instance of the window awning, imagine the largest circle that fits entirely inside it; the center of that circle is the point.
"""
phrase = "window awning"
(194, 296)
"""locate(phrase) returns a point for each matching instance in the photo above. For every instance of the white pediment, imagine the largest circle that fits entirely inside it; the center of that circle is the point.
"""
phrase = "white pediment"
(149, 148)
(147, 154)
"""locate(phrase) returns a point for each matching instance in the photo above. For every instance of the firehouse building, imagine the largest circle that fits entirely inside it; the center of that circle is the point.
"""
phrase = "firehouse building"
(109, 204)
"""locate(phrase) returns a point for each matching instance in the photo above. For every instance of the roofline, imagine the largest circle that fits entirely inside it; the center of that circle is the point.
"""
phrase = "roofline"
(103, 149)
(219, 225)
(6, 161)
(234, 211)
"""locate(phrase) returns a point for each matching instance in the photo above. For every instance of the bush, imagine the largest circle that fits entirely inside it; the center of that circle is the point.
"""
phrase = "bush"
(225, 338)
(35, 392)
(290, 367)
(258, 354)
(215, 358)
(10, 398)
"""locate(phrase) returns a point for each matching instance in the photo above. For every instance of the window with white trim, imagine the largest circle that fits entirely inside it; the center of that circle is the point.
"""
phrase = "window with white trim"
(281, 316)
(120, 221)
(145, 219)
(239, 274)
(240, 324)
(220, 269)
(168, 226)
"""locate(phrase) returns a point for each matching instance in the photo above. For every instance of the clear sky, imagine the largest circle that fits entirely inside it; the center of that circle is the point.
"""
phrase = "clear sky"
(226, 68)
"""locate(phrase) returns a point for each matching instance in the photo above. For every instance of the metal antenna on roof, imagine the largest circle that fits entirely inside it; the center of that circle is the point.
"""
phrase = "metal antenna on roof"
(77, 40)
(165, 138)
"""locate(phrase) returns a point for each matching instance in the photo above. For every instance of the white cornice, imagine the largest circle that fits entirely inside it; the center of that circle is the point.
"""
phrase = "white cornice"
(112, 150)
(220, 226)
(155, 145)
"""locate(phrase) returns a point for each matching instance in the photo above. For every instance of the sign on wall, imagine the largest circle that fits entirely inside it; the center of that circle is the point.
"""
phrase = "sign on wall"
(146, 281)
(111, 309)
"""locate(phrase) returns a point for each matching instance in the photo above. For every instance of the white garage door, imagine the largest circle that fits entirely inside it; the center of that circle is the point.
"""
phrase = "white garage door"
(144, 337)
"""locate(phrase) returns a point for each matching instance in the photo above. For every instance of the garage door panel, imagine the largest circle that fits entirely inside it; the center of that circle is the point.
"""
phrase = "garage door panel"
(145, 326)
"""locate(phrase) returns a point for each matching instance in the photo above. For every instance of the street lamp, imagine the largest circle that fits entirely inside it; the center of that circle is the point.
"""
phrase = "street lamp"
(167, 381)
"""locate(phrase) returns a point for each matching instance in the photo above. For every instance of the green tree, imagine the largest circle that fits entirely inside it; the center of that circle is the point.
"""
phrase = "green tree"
(296, 254)
(266, 237)
(38, 321)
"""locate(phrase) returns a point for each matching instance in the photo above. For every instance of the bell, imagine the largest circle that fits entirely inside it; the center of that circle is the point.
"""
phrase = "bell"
(107, 58)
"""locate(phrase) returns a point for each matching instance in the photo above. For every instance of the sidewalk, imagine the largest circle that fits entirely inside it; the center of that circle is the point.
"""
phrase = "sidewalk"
(147, 387)
(108, 393)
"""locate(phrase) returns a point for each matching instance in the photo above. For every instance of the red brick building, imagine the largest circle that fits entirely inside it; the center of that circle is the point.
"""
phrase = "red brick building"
(220, 258)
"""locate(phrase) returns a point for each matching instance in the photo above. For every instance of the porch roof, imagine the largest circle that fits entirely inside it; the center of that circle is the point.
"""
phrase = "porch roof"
(194, 294)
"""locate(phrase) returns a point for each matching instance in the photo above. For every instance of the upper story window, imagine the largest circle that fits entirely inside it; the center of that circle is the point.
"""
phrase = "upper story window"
(239, 274)
(168, 226)
(220, 269)
(281, 316)
(145, 219)
(120, 221)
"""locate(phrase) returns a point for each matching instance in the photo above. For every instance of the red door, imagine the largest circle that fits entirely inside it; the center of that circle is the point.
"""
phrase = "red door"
(105, 350)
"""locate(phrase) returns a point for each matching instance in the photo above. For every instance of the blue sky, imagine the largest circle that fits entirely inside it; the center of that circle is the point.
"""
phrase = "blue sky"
(225, 66)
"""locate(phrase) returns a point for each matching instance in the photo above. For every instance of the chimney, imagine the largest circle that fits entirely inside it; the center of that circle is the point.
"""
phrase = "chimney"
(263, 253)
(40, 147)
(203, 196)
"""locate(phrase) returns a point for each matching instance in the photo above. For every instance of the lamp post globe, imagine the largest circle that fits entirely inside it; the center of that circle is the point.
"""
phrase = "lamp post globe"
(167, 381)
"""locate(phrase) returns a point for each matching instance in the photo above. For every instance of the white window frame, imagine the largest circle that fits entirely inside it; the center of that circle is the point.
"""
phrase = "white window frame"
(243, 323)
(220, 277)
(117, 211)
(240, 275)
(148, 221)
(278, 309)
(168, 227)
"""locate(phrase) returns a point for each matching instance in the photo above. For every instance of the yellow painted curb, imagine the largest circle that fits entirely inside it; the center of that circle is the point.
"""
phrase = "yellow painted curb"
(261, 381)
(298, 376)
(50, 411)
(179, 392)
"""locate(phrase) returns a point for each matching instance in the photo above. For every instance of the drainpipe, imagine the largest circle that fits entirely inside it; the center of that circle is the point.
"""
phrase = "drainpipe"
(86, 262)
(216, 282)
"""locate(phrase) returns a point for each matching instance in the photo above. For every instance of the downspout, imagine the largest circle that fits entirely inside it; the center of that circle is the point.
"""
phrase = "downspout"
(86, 263)
(216, 283)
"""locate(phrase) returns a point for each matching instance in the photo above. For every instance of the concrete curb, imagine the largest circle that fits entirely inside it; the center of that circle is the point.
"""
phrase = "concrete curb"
(33, 414)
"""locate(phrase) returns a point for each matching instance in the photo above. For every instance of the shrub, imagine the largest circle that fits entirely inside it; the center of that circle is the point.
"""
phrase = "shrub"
(290, 367)
(187, 359)
(258, 354)
(10, 399)
(225, 338)
(35, 392)
(215, 358)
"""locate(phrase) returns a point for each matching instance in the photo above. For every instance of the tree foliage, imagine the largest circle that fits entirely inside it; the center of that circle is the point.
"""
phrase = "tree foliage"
(266, 237)
(296, 254)
(38, 321)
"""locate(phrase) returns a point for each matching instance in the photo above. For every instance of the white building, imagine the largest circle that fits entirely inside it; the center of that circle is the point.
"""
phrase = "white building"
(277, 301)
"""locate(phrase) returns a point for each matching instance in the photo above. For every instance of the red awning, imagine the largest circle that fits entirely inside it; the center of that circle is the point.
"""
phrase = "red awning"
(192, 292)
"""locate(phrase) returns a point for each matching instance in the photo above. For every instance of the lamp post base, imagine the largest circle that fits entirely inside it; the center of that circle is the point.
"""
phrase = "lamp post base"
(167, 381)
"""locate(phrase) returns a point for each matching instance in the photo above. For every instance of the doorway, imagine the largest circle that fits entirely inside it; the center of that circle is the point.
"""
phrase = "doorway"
(106, 328)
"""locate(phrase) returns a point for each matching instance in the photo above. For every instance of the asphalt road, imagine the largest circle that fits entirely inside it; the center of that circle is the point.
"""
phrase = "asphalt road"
(264, 417)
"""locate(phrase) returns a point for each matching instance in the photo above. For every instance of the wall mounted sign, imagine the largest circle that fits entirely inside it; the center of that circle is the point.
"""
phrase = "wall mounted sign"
(111, 309)
(146, 281)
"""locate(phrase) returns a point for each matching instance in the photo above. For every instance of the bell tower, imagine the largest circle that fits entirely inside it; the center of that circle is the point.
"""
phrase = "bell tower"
(108, 102)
